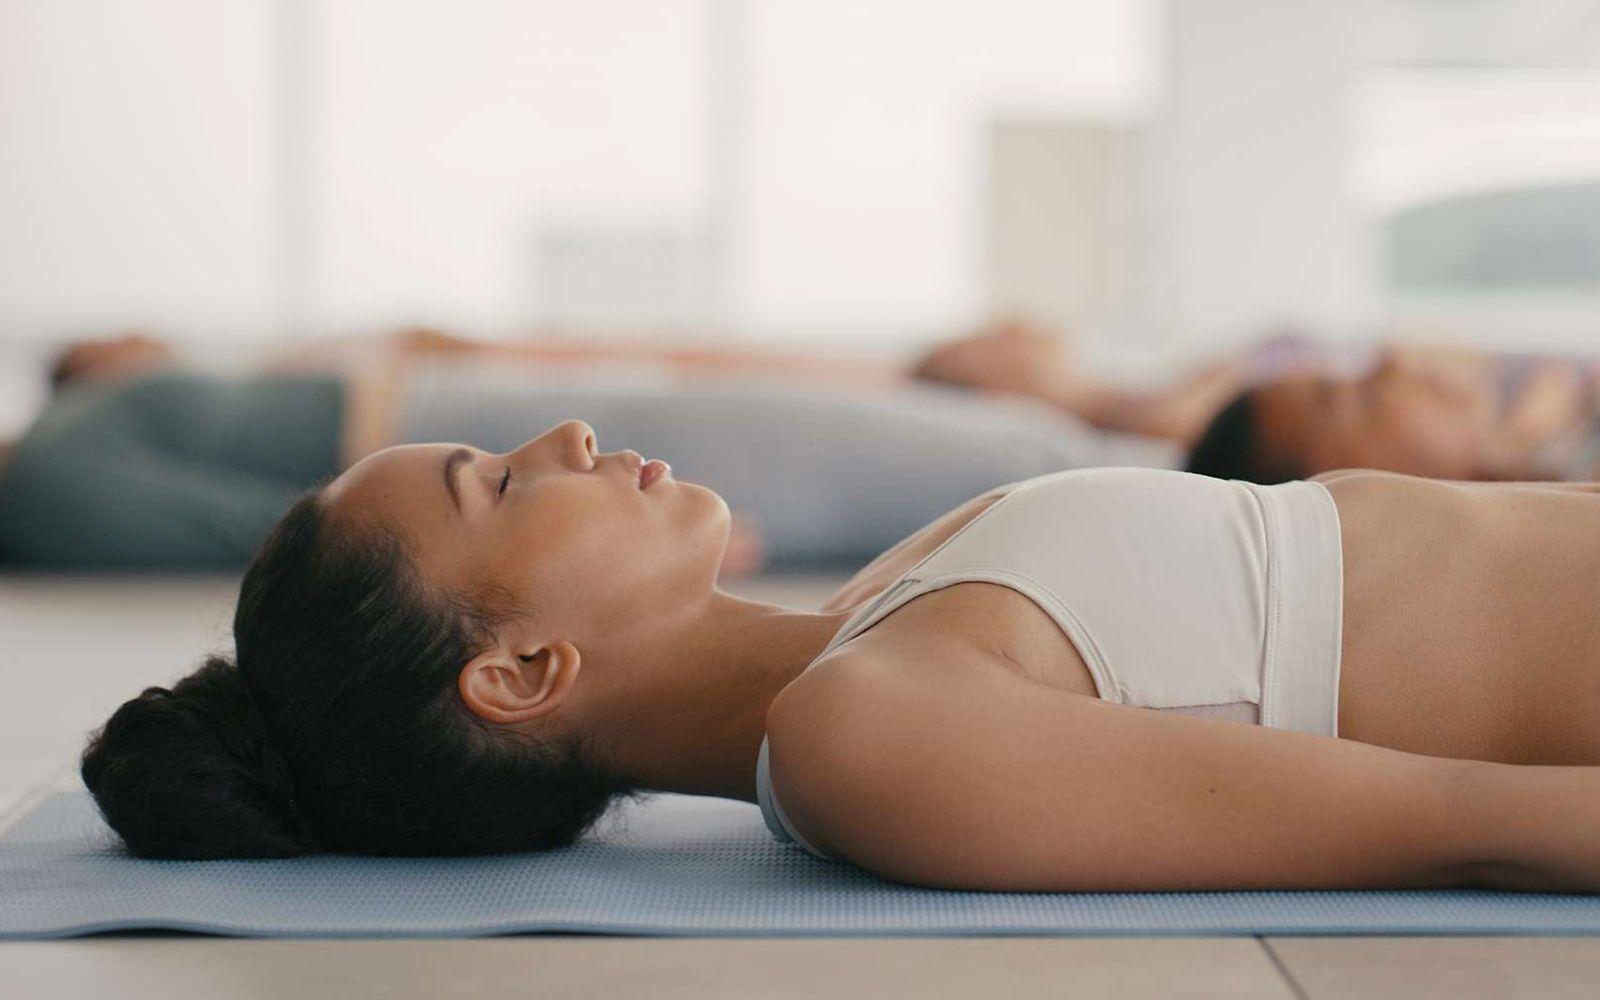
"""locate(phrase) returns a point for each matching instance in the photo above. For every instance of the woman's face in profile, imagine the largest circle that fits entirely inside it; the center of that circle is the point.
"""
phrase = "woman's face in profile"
(554, 525)
(1401, 415)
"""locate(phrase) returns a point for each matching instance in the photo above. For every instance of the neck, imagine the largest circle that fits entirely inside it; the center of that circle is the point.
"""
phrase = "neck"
(700, 712)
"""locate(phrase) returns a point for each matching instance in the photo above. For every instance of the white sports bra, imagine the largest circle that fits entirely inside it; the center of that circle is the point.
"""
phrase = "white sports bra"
(1182, 593)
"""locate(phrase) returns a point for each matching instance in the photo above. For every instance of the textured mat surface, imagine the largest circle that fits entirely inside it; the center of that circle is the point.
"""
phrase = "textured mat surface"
(672, 866)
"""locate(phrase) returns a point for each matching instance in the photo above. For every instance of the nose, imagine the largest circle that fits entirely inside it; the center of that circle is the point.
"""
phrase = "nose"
(570, 444)
(577, 438)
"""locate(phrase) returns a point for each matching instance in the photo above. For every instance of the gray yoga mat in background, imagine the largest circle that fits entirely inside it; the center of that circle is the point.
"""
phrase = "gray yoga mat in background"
(672, 865)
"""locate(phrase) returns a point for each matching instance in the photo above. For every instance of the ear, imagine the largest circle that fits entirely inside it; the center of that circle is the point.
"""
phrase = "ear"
(510, 684)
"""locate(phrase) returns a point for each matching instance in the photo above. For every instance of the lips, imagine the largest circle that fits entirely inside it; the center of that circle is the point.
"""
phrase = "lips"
(652, 471)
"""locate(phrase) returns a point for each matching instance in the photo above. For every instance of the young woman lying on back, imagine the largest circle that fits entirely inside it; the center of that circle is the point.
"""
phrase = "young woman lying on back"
(1092, 680)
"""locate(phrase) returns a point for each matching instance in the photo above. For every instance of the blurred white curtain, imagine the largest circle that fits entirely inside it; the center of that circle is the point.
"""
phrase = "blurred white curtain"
(137, 179)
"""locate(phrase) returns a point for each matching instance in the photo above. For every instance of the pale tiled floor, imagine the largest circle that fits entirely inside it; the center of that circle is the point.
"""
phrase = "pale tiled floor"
(71, 650)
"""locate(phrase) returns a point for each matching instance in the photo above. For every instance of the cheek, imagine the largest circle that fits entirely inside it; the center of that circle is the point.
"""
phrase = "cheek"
(593, 549)
(1433, 440)
(1341, 441)
(575, 540)
(608, 537)
(1443, 428)
(1349, 451)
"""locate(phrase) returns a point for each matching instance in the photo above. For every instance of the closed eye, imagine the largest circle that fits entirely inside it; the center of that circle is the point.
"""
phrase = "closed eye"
(505, 481)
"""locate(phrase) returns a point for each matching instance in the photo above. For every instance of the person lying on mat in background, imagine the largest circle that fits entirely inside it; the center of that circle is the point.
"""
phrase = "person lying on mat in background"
(1103, 679)
(1007, 357)
(137, 462)
(1444, 412)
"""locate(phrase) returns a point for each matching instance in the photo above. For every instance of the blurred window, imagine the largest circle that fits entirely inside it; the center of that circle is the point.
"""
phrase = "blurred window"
(1482, 187)
(1531, 238)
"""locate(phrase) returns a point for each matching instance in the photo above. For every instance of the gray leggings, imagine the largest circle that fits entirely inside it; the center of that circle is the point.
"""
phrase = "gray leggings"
(175, 470)
(829, 475)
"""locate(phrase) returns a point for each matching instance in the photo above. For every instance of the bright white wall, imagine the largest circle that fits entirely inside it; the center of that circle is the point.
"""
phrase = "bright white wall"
(448, 137)
(1424, 136)
(867, 129)
(219, 167)
(1252, 171)
(216, 167)
(136, 180)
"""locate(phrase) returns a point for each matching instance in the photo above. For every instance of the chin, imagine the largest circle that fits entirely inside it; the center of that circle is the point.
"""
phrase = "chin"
(706, 501)
(714, 515)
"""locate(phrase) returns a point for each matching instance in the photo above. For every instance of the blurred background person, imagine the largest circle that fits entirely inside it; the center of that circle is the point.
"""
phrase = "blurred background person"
(1424, 409)
(812, 194)
(139, 461)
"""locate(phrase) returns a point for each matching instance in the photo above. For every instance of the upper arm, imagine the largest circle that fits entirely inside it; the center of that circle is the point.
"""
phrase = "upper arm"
(974, 777)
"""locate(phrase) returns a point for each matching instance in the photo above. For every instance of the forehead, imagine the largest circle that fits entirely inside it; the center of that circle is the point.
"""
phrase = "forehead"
(1290, 398)
(1286, 416)
(404, 482)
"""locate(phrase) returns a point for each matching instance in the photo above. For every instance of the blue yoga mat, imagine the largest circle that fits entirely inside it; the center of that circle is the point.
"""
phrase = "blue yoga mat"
(673, 865)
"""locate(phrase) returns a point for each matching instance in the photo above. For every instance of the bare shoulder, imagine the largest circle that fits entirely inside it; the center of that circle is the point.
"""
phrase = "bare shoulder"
(830, 734)
(866, 749)
(838, 701)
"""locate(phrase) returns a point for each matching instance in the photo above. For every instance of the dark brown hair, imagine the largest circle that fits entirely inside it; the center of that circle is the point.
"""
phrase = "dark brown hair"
(338, 727)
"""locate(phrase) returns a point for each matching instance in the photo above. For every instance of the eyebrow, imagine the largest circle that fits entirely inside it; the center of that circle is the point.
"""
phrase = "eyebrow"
(454, 459)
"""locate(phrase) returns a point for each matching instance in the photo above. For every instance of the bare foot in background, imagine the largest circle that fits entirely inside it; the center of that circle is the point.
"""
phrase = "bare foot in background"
(107, 359)
(427, 340)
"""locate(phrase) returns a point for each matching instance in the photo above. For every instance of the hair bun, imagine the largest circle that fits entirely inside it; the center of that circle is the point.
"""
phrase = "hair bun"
(191, 773)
